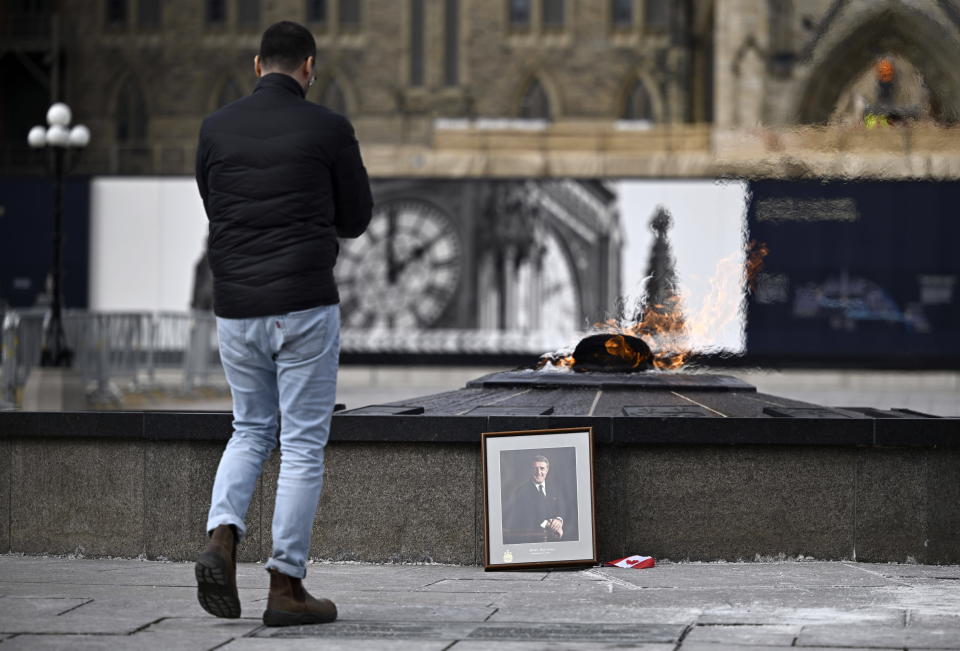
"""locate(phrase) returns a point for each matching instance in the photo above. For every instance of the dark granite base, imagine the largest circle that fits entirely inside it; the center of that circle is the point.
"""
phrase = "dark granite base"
(389, 501)
(734, 418)
(730, 503)
(5, 493)
(645, 381)
(77, 496)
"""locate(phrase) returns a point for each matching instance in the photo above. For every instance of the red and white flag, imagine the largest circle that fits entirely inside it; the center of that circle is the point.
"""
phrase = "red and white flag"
(634, 562)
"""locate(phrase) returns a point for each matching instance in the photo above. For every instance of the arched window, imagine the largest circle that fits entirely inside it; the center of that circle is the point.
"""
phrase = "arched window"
(417, 28)
(656, 15)
(552, 14)
(116, 12)
(519, 11)
(621, 13)
(229, 92)
(248, 14)
(131, 113)
(451, 42)
(149, 14)
(333, 98)
(535, 105)
(349, 14)
(637, 104)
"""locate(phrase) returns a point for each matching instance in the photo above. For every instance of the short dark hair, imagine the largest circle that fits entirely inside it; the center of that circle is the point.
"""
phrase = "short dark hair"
(285, 45)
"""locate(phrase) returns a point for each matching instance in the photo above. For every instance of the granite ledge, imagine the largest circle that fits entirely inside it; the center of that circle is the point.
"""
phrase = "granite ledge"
(939, 433)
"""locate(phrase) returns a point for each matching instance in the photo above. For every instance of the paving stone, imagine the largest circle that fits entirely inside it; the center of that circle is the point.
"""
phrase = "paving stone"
(103, 601)
(879, 637)
(483, 585)
(65, 571)
(415, 613)
(468, 645)
(595, 611)
(577, 632)
(330, 644)
(745, 575)
(710, 646)
(920, 619)
(740, 600)
(390, 598)
(763, 613)
(117, 603)
(386, 576)
(20, 608)
(116, 624)
(375, 630)
(904, 571)
(142, 641)
(746, 634)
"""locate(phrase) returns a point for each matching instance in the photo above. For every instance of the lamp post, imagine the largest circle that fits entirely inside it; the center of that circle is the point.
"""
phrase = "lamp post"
(59, 138)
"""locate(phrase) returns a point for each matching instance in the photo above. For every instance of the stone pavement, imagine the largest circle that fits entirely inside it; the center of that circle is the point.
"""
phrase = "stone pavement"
(62, 603)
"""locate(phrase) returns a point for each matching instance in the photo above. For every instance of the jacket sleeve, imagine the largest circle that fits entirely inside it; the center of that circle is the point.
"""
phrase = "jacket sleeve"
(353, 203)
(201, 171)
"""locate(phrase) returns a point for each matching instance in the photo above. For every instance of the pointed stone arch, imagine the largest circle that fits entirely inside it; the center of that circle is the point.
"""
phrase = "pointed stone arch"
(130, 115)
(892, 28)
(333, 97)
(229, 91)
(537, 99)
(335, 92)
(638, 100)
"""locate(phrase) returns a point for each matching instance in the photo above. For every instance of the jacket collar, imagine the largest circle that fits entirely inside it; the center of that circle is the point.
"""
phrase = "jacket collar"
(281, 81)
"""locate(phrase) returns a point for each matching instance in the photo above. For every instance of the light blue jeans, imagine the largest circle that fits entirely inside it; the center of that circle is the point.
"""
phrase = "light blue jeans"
(278, 366)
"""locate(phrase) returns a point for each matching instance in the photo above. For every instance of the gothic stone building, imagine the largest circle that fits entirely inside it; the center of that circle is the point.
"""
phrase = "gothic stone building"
(510, 88)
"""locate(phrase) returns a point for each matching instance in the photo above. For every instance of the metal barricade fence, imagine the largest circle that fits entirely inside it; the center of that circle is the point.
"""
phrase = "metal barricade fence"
(112, 349)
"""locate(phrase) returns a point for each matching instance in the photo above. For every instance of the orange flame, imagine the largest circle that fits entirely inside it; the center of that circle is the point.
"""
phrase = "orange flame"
(756, 252)
(668, 328)
(884, 69)
(555, 360)
(618, 347)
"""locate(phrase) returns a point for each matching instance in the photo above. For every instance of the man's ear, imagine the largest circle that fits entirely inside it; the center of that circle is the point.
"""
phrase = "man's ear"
(257, 69)
(308, 67)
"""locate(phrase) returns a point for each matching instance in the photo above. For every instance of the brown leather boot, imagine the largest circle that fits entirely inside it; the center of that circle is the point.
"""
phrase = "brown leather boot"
(216, 571)
(290, 605)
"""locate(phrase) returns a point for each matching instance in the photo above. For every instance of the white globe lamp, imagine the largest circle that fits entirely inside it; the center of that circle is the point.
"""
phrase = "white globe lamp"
(37, 137)
(59, 115)
(79, 136)
(58, 136)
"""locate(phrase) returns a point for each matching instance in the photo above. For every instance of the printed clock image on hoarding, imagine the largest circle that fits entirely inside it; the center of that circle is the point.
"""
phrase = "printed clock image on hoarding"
(404, 271)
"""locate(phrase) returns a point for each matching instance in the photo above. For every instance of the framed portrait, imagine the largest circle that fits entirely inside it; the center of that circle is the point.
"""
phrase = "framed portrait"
(538, 498)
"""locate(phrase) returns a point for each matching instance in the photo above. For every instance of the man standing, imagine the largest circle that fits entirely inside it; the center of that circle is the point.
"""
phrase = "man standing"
(535, 511)
(281, 178)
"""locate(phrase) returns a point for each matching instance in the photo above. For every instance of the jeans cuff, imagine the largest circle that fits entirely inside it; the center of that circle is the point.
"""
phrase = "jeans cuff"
(241, 529)
(286, 568)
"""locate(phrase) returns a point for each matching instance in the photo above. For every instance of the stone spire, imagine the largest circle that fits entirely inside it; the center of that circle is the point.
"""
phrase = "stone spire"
(661, 290)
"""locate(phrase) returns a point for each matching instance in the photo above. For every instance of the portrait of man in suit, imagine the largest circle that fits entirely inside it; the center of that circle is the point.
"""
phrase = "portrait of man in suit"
(536, 510)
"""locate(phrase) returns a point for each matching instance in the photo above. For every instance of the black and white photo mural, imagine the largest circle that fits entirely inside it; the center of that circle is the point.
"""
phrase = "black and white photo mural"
(495, 266)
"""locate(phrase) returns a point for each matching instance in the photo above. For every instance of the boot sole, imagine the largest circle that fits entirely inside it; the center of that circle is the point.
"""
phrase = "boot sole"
(286, 618)
(214, 591)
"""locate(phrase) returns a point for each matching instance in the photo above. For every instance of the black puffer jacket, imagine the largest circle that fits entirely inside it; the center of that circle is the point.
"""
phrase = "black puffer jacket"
(280, 178)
